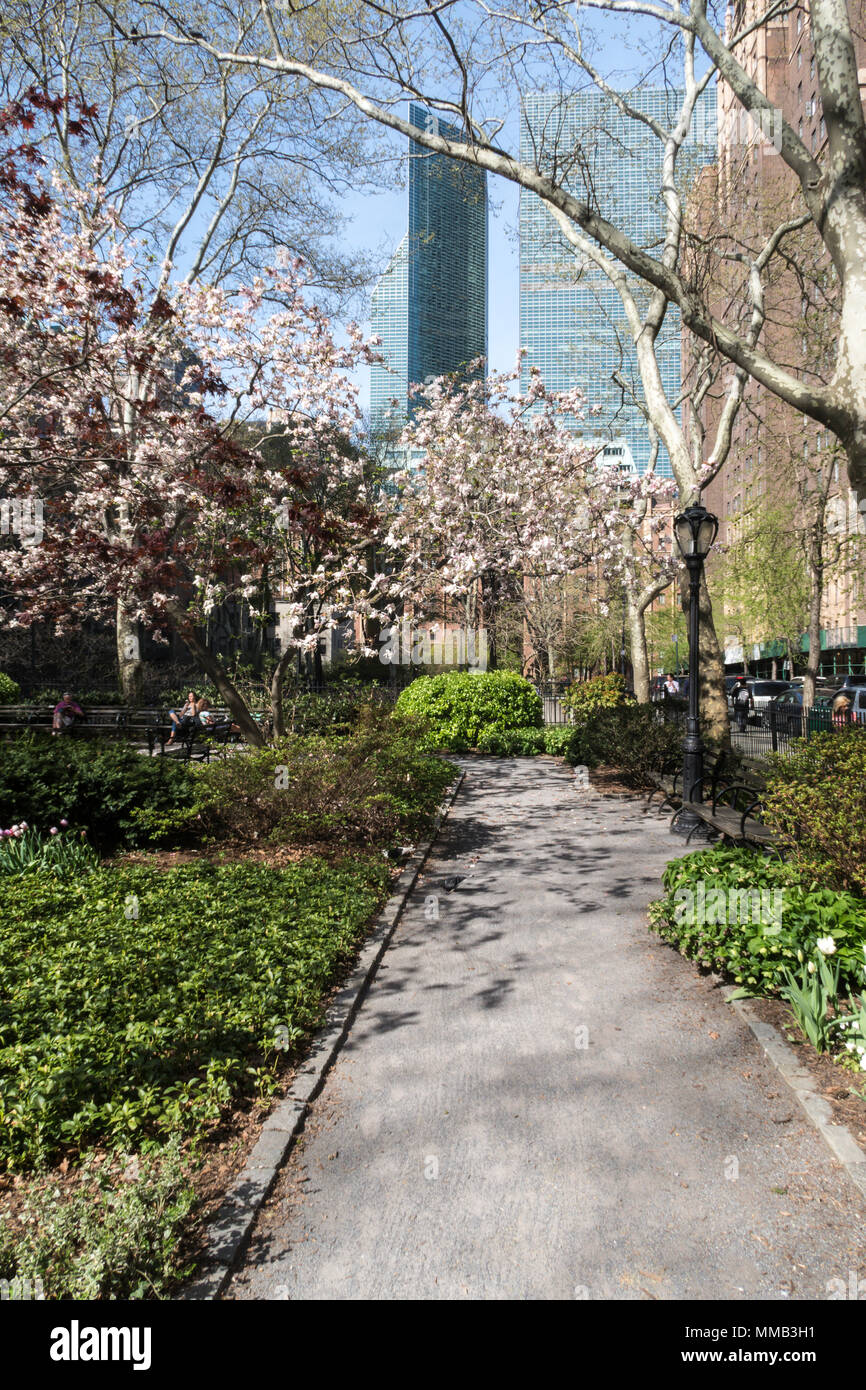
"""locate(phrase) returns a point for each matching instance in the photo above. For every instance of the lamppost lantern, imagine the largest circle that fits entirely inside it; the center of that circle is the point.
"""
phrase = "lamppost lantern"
(695, 530)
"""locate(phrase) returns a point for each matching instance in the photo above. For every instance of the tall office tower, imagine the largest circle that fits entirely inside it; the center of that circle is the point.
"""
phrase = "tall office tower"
(430, 306)
(572, 323)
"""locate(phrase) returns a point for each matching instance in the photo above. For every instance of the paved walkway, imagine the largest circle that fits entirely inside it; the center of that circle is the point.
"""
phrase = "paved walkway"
(466, 1145)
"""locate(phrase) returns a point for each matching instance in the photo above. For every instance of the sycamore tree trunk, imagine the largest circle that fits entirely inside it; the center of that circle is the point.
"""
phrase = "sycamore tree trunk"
(129, 663)
(212, 667)
(713, 702)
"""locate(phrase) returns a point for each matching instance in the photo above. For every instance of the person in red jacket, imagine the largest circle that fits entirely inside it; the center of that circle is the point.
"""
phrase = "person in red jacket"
(66, 712)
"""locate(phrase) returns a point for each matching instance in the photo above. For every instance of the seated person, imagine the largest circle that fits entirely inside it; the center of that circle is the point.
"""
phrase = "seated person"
(183, 718)
(66, 713)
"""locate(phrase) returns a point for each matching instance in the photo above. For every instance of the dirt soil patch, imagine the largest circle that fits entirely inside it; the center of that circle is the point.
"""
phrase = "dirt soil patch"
(843, 1088)
(609, 781)
(274, 856)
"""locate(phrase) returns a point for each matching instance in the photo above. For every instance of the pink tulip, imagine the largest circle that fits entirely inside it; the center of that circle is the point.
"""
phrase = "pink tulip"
(53, 830)
(64, 823)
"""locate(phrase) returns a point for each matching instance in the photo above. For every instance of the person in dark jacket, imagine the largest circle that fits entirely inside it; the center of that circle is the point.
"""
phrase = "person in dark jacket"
(743, 702)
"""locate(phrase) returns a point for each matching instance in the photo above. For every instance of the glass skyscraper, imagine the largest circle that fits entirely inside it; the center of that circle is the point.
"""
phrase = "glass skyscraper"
(430, 306)
(572, 323)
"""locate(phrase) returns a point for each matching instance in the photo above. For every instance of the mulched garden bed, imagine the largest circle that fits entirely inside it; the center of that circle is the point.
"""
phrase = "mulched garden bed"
(842, 1087)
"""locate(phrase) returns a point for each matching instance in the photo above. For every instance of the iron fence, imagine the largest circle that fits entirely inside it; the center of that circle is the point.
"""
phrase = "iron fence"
(555, 711)
(772, 730)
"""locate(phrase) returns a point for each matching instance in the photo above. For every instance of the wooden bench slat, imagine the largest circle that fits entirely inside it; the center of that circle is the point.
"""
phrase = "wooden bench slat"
(729, 822)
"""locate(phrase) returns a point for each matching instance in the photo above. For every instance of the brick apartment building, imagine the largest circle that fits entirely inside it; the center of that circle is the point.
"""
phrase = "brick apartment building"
(753, 191)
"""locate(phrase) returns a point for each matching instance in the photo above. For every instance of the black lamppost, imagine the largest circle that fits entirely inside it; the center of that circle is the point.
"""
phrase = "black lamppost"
(695, 530)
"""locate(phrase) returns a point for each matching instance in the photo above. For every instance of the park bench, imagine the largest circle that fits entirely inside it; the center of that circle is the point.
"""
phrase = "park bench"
(104, 720)
(666, 777)
(732, 812)
(731, 807)
(146, 727)
(197, 741)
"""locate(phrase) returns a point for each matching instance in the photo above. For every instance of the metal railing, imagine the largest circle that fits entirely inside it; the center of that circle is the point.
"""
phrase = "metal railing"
(774, 731)
(555, 711)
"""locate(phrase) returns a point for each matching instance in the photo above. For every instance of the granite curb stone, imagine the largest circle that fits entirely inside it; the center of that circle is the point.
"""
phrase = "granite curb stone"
(838, 1137)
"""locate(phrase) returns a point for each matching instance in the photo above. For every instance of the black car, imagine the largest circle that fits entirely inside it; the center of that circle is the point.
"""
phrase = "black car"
(786, 711)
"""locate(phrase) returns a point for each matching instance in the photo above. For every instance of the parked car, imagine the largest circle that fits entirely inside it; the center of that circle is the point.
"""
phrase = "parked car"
(856, 693)
(786, 711)
(762, 693)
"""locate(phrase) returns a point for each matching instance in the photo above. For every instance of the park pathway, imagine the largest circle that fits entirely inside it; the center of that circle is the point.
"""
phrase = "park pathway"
(467, 1144)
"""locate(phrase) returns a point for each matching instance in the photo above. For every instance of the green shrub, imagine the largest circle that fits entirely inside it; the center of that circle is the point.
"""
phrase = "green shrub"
(106, 788)
(139, 1002)
(10, 692)
(511, 743)
(630, 738)
(557, 740)
(379, 786)
(756, 940)
(49, 695)
(114, 1237)
(816, 796)
(586, 698)
(524, 743)
(337, 710)
(457, 705)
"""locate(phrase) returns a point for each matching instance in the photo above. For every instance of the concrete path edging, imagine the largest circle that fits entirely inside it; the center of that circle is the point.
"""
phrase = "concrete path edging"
(232, 1226)
(803, 1085)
